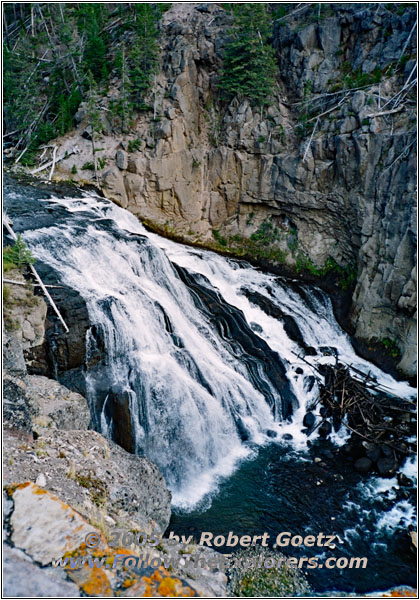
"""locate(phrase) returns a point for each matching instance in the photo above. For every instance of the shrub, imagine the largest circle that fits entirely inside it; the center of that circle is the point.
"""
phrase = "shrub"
(134, 145)
(17, 256)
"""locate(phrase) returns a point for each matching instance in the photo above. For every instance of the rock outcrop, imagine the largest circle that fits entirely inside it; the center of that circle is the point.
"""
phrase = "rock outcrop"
(309, 189)
(63, 482)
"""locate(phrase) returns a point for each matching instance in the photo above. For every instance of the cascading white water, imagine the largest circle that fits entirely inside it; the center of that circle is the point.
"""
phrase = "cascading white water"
(190, 392)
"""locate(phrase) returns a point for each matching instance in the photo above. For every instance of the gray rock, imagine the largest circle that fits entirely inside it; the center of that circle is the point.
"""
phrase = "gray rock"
(121, 159)
(93, 474)
(44, 527)
(24, 579)
(13, 361)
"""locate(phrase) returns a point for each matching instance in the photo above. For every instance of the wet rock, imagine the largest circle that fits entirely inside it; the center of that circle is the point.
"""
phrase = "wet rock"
(386, 451)
(299, 371)
(242, 430)
(363, 465)
(271, 434)
(372, 451)
(309, 420)
(325, 429)
(387, 467)
(117, 409)
(403, 480)
(326, 453)
(287, 436)
(328, 351)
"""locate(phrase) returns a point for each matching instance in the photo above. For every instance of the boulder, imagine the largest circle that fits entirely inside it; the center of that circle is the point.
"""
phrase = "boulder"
(43, 526)
(309, 420)
(387, 467)
(325, 429)
(363, 465)
(93, 474)
(36, 402)
(24, 579)
(121, 158)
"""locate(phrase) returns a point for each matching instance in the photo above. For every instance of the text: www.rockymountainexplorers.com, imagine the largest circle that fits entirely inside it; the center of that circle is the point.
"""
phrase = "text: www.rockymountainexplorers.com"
(212, 562)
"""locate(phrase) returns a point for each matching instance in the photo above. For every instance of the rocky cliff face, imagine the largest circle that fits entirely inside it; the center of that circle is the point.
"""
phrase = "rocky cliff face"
(327, 171)
(63, 481)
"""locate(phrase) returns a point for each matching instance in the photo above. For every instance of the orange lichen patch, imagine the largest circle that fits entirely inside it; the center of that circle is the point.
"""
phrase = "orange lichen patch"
(401, 593)
(96, 584)
(168, 586)
(129, 582)
(11, 489)
(40, 492)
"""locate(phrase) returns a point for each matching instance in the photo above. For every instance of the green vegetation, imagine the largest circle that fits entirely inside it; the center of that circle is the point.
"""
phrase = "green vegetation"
(96, 487)
(58, 55)
(134, 145)
(6, 294)
(391, 347)
(276, 579)
(355, 78)
(347, 275)
(249, 68)
(260, 245)
(17, 256)
(264, 244)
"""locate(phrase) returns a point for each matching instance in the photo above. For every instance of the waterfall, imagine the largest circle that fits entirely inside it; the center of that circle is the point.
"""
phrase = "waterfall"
(202, 352)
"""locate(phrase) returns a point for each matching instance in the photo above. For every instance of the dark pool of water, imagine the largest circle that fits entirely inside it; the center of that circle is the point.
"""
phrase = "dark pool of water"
(278, 491)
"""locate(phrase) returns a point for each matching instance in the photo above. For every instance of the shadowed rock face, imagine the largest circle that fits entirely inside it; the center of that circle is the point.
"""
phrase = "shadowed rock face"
(346, 192)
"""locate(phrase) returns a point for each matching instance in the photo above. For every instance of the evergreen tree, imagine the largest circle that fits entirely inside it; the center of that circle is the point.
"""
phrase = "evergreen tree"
(91, 22)
(143, 56)
(250, 66)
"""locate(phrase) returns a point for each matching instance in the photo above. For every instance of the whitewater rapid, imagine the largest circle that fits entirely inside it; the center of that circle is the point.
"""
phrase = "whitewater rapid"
(200, 400)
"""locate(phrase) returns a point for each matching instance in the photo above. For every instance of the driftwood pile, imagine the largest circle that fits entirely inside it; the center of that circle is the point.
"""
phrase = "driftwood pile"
(381, 424)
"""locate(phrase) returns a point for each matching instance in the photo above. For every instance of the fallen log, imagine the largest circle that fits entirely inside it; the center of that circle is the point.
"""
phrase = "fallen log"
(52, 162)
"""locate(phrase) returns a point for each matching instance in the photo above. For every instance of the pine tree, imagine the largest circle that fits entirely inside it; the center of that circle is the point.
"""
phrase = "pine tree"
(143, 57)
(250, 67)
(91, 22)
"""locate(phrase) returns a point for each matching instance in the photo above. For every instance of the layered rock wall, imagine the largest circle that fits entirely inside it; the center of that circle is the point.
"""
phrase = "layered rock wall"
(314, 176)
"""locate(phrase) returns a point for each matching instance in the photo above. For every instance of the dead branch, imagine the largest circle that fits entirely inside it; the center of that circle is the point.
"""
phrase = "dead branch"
(310, 140)
(53, 163)
(31, 284)
(385, 112)
(74, 150)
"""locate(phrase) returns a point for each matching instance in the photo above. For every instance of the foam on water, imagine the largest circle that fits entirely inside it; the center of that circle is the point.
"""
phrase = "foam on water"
(187, 390)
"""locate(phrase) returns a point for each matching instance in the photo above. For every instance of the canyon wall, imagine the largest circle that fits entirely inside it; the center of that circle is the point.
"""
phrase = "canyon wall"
(323, 176)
